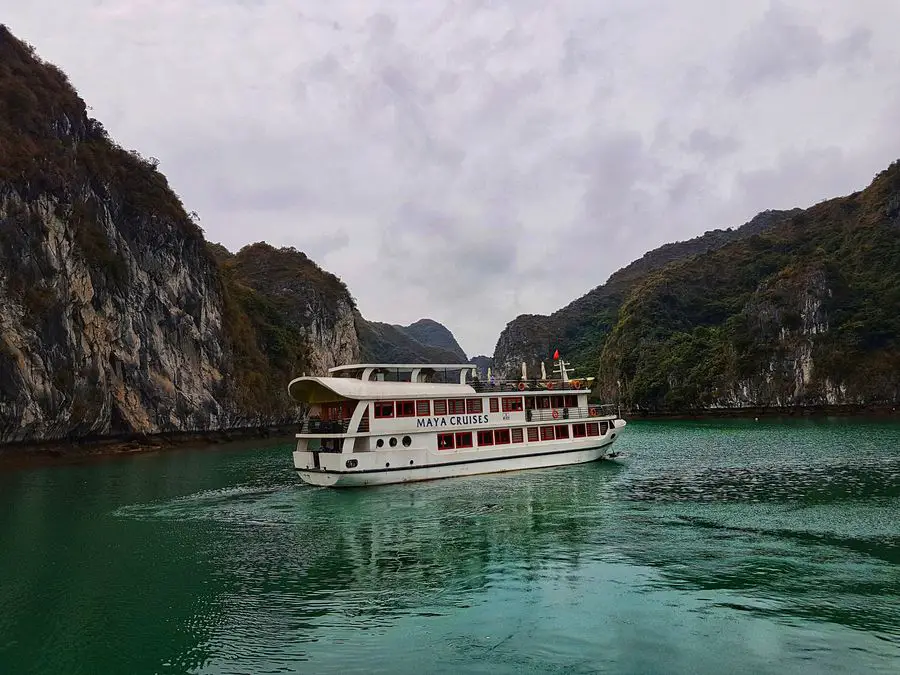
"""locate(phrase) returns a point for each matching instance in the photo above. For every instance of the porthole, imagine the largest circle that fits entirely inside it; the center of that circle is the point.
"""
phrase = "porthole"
(410, 462)
(379, 443)
(407, 441)
(387, 464)
(351, 463)
(393, 442)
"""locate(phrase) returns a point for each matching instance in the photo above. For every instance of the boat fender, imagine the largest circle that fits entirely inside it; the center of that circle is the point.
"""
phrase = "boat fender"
(556, 414)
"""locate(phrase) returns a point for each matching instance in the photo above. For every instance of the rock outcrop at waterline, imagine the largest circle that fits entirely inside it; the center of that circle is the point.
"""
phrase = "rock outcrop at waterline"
(117, 317)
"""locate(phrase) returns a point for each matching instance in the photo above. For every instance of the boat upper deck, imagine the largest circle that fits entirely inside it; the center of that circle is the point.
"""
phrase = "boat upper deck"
(461, 374)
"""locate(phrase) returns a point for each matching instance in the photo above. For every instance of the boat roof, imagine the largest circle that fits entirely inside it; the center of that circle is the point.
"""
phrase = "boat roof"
(331, 389)
(403, 366)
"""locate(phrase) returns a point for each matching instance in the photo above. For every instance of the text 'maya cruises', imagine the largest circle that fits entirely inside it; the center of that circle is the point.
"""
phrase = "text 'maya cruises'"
(373, 424)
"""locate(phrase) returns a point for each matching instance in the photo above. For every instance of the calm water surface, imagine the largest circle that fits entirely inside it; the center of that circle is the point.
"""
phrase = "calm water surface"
(722, 547)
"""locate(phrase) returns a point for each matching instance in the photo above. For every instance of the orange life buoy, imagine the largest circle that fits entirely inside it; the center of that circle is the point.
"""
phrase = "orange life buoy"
(592, 412)
(521, 386)
(556, 414)
(576, 384)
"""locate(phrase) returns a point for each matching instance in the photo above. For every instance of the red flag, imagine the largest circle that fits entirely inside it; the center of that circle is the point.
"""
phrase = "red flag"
(556, 354)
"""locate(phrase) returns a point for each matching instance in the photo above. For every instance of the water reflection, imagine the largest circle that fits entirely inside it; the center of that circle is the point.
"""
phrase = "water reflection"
(224, 562)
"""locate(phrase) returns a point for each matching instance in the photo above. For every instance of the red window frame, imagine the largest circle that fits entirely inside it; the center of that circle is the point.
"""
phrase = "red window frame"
(406, 408)
(501, 437)
(517, 436)
(529, 403)
(445, 442)
(423, 408)
(440, 407)
(578, 431)
(543, 402)
(384, 410)
(593, 429)
(485, 437)
(512, 404)
(474, 405)
(558, 401)
(547, 433)
(571, 400)
(463, 439)
(495, 405)
(562, 431)
(533, 435)
(456, 406)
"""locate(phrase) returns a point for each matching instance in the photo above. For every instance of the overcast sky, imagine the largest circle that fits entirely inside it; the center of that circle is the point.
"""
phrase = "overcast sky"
(470, 161)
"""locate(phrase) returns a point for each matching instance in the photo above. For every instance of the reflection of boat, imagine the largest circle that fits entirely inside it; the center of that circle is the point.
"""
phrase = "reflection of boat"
(372, 424)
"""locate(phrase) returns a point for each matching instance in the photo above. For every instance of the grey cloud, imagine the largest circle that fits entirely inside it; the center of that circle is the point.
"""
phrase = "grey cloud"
(779, 48)
(710, 145)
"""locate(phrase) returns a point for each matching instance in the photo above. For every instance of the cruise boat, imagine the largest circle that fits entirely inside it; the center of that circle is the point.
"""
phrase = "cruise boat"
(374, 424)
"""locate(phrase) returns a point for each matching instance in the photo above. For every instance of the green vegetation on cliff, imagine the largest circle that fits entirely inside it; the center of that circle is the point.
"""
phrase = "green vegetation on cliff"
(804, 313)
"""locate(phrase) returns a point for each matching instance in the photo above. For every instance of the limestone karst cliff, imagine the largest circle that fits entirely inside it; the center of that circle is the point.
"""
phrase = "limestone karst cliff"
(793, 309)
(802, 314)
(117, 317)
(580, 328)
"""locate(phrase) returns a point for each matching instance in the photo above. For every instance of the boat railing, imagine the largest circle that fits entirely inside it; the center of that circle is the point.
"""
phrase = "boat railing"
(556, 414)
(314, 425)
(529, 385)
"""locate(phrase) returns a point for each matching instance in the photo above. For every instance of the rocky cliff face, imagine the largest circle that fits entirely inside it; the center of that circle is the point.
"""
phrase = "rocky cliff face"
(116, 317)
(580, 328)
(803, 314)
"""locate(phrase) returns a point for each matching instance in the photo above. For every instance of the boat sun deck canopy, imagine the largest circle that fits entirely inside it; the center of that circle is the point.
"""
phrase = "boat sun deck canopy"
(333, 389)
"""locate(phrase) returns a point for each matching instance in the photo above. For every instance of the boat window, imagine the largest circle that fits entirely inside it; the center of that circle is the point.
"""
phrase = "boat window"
(456, 406)
(423, 408)
(379, 443)
(474, 405)
(406, 408)
(384, 409)
(407, 441)
(464, 439)
(495, 405)
(517, 436)
(393, 442)
(546, 433)
(512, 404)
(501, 436)
(445, 441)
(532, 434)
(529, 403)
(578, 431)
(440, 407)
(562, 431)
(559, 401)
(571, 401)
(486, 437)
(602, 428)
(543, 402)
(593, 429)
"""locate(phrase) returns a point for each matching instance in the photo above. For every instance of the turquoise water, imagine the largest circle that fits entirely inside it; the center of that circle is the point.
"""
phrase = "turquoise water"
(720, 547)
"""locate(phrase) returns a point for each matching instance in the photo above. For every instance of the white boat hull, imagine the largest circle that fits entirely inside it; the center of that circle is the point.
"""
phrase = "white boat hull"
(425, 466)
